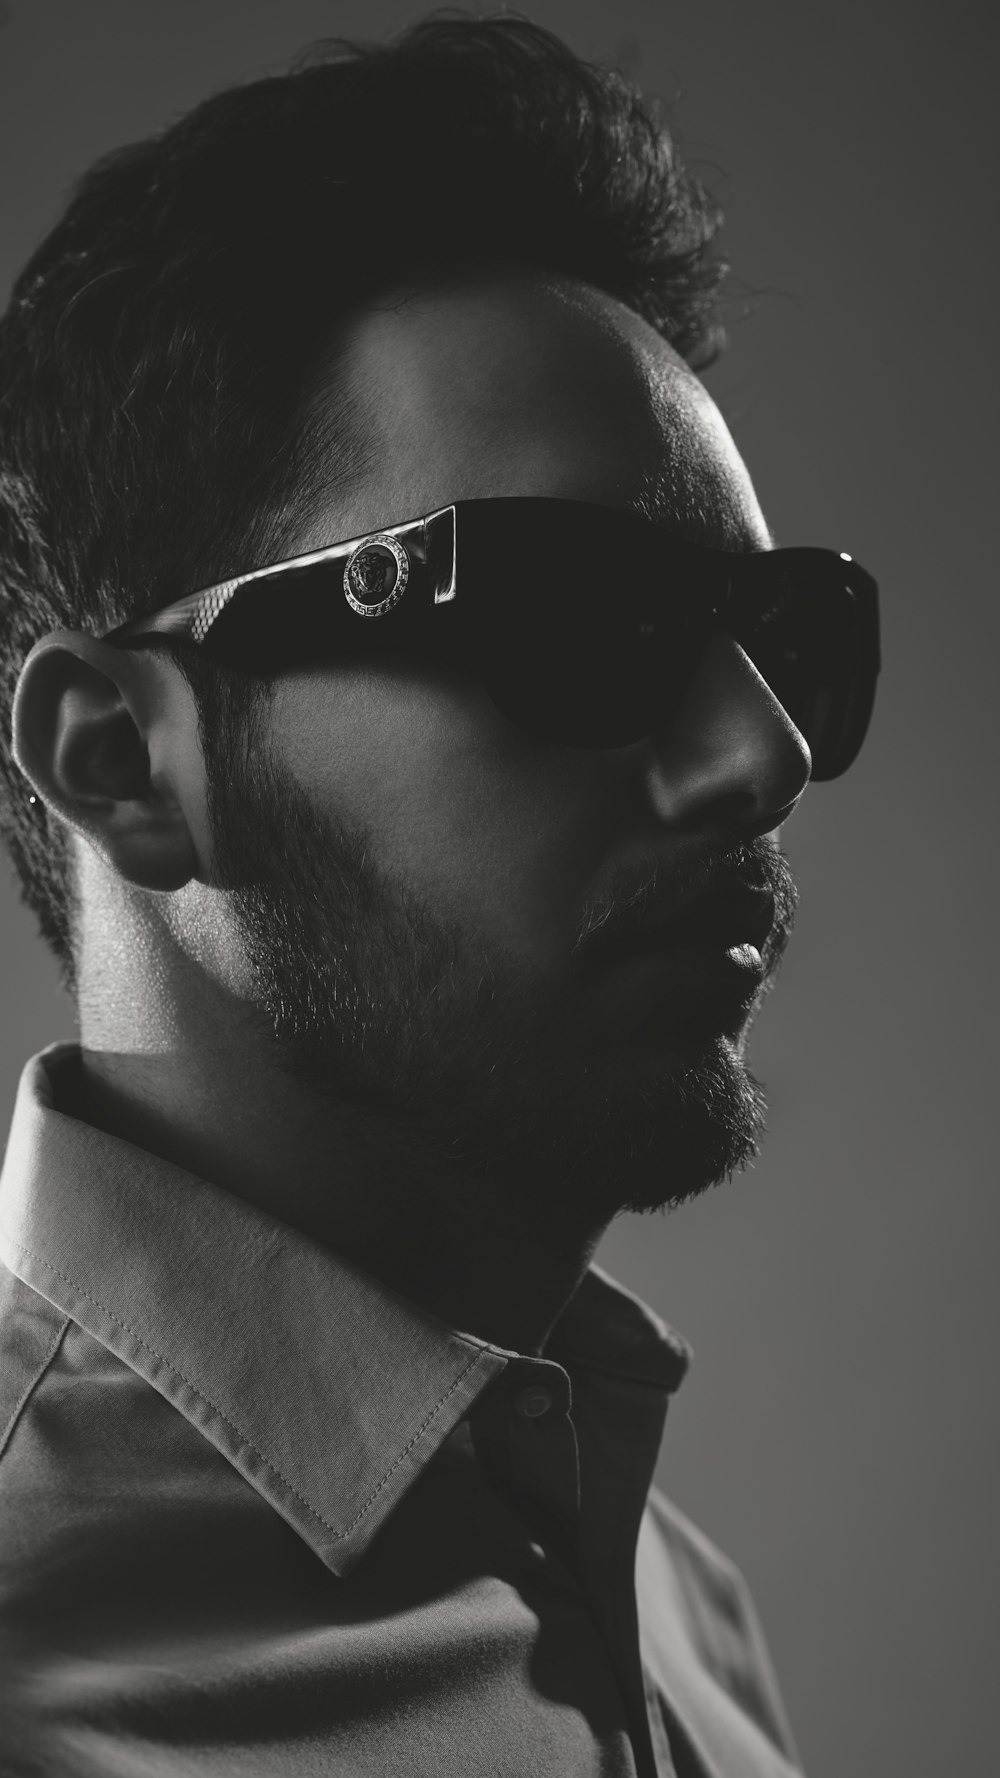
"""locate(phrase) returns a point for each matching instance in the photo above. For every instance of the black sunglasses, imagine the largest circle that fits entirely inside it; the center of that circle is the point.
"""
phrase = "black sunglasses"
(585, 624)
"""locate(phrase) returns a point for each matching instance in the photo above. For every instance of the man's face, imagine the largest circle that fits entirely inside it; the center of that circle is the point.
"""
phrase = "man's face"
(420, 899)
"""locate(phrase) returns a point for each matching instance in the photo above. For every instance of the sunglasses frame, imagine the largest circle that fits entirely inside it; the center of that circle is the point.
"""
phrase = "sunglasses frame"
(430, 546)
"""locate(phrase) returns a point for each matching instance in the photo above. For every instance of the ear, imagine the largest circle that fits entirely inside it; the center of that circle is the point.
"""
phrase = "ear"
(108, 741)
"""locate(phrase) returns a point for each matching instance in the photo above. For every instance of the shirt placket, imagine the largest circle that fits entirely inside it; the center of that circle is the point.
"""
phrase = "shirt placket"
(530, 1444)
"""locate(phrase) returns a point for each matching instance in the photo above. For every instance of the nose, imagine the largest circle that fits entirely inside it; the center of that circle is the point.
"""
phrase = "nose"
(730, 757)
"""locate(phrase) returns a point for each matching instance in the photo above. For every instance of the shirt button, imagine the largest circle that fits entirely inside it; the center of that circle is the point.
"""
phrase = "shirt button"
(532, 1403)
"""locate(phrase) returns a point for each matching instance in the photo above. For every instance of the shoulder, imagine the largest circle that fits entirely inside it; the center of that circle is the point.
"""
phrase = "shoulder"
(117, 1518)
(99, 1473)
(698, 1558)
(712, 1594)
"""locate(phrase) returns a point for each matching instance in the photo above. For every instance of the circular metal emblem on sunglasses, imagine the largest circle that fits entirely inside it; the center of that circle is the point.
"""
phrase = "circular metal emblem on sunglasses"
(376, 575)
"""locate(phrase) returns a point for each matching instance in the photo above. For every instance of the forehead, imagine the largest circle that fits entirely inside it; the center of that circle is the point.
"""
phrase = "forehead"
(517, 383)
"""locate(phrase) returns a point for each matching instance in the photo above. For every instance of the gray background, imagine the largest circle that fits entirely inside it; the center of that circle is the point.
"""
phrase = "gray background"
(837, 1433)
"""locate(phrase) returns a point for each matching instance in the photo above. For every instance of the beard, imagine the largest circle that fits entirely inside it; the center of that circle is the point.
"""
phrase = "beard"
(450, 1054)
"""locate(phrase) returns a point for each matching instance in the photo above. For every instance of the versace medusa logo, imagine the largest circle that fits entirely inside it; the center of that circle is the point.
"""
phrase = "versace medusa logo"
(376, 575)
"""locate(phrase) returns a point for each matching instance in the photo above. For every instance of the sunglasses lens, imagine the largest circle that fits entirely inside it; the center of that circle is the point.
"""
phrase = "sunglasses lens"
(578, 695)
(592, 626)
(806, 619)
(586, 633)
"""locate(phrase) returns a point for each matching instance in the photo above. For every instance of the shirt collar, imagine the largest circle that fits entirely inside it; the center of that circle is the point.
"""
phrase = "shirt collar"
(327, 1391)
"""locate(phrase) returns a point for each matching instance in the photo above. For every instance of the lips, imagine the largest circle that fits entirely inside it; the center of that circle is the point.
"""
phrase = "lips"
(733, 916)
(692, 972)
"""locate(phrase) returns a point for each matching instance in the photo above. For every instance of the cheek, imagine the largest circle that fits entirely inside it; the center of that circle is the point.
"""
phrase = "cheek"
(500, 832)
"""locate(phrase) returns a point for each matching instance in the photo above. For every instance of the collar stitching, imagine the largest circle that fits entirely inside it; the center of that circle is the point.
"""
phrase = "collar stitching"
(245, 1439)
(172, 1368)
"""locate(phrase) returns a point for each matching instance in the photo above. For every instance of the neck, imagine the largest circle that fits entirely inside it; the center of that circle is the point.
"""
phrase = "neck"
(483, 1262)
(174, 1060)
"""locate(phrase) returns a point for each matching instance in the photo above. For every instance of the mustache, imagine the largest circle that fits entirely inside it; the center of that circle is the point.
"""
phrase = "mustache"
(642, 899)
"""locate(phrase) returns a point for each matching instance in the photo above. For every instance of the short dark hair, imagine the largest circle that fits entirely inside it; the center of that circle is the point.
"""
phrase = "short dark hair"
(157, 353)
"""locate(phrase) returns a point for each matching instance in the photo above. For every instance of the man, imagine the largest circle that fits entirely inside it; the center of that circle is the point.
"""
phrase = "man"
(416, 900)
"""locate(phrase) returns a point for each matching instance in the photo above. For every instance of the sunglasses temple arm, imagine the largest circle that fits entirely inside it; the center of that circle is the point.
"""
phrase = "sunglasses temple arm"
(193, 616)
(189, 618)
